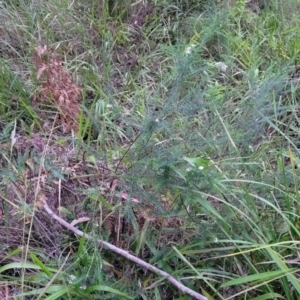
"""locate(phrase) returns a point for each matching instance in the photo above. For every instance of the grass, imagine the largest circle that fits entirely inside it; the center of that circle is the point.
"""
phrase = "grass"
(172, 126)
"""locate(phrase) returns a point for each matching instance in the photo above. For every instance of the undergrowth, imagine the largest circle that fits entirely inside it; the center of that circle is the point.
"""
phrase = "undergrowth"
(169, 129)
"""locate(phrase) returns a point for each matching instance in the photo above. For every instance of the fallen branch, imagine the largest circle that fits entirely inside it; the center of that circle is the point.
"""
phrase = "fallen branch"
(125, 254)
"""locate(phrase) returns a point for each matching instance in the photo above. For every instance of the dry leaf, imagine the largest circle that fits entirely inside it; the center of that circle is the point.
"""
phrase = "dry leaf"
(57, 85)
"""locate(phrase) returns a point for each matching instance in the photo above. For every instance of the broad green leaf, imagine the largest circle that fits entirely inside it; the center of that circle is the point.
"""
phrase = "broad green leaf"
(197, 161)
(157, 294)
(106, 289)
(207, 295)
(281, 264)
(255, 277)
(57, 294)
(12, 253)
(187, 262)
(50, 290)
(268, 296)
(92, 159)
(39, 263)
(19, 265)
(81, 245)
(142, 238)
(205, 204)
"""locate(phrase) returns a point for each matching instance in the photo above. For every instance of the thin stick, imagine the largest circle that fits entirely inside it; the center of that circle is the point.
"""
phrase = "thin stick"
(125, 254)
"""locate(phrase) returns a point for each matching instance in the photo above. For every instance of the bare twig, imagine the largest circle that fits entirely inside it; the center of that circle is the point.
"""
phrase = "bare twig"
(125, 254)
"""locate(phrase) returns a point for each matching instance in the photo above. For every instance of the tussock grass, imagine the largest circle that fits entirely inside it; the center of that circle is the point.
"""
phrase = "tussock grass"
(185, 150)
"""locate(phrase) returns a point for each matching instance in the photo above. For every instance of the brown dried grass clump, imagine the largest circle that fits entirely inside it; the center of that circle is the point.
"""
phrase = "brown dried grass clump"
(57, 87)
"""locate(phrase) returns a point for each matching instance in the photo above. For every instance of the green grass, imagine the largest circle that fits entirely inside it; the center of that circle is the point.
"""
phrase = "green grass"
(190, 107)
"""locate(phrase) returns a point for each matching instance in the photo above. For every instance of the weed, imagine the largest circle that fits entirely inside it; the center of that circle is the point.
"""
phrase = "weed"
(166, 128)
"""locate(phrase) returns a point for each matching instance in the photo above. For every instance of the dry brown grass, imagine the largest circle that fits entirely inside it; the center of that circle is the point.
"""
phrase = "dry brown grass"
(57, 87)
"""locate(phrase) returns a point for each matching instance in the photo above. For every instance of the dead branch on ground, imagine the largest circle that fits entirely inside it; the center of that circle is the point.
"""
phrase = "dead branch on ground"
(123, 253)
